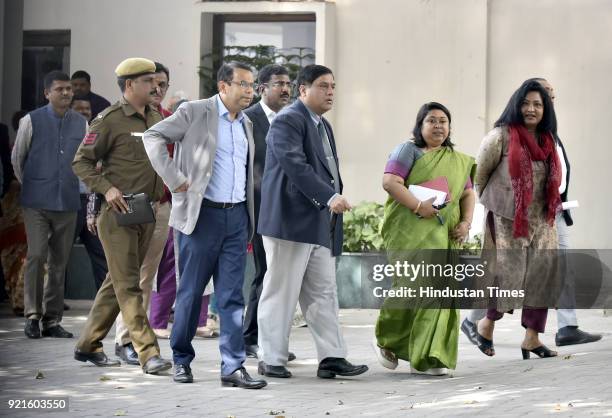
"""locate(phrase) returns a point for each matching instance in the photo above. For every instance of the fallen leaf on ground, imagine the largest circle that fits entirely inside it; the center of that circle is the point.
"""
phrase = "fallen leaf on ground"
(119, 387)
(120, 413)
(104, 378)
(569, 356)
(339, 402)
(470, 402)
(39, 375)
(275, 412)
(528, 369)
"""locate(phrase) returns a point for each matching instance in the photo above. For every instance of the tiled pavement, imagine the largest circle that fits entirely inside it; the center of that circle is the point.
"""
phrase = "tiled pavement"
(577, 383)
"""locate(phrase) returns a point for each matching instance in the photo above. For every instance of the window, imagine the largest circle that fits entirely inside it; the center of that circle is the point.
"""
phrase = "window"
(43, 51)
(259, 39)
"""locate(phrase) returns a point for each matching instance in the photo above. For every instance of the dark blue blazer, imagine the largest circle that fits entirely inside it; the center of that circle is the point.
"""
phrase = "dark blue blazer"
(297, 183)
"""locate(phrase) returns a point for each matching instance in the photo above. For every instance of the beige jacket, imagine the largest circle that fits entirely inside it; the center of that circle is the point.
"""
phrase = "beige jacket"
(193, 130)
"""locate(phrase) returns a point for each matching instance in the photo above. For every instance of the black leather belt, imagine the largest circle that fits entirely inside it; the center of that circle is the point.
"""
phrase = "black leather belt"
(219, 205)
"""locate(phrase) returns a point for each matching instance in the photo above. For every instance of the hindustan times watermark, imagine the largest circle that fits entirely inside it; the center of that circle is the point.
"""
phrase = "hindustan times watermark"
(567, 279)
(447, 292)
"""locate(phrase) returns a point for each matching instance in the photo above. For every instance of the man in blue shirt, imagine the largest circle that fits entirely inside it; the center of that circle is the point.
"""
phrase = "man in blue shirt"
(211, 178)
(46, 143)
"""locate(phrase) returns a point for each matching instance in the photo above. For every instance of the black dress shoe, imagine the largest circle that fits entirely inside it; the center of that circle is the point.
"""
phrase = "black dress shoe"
(127, 354)
(291, 356)
(32, 329)
(332, 366)
(155, 365)
(251, 350)
(66, 307)
(571, 335)
(240, 378)
(470, 330)
(272, 371)
(98, 358)
(56, 332)
(182, 374)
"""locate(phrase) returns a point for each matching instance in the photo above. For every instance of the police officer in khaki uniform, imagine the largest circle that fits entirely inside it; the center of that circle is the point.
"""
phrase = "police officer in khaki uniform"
(115, 137)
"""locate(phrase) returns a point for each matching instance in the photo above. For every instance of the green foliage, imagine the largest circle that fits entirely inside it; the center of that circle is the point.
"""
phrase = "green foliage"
(257, 56)
(362, 228)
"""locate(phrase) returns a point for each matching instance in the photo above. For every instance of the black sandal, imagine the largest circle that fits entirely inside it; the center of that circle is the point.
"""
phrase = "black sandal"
(541, 351)
(485, 344)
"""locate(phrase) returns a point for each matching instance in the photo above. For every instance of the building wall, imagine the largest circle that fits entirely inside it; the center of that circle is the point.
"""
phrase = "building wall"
(105, 33)
(393, 56)
(10, 59)
(3, 48)
(389, 57)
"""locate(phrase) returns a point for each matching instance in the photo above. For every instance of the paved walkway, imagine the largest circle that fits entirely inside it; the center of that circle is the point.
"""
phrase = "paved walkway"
(577, 383)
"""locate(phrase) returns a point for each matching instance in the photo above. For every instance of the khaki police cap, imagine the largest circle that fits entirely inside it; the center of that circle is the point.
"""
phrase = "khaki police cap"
(134, 67)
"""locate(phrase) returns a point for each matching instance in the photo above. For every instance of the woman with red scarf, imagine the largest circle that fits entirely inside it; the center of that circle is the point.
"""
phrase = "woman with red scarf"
(517, 180)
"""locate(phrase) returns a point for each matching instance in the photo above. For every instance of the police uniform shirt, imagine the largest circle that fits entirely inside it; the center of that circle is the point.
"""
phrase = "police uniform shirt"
(115, 137)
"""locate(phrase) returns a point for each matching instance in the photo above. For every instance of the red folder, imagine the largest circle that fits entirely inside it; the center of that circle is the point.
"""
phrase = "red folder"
(440, 184)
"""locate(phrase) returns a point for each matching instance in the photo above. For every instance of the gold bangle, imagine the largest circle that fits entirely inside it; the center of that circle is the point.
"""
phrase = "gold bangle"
(416, 210)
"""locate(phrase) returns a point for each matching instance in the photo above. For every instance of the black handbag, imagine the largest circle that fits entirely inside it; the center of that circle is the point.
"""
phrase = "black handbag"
(139, 211)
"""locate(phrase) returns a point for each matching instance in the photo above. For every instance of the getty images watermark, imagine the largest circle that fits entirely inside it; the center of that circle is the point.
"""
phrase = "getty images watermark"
(403, 270)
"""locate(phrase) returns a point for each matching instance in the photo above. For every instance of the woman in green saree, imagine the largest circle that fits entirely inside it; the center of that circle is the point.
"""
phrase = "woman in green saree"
(425, 337)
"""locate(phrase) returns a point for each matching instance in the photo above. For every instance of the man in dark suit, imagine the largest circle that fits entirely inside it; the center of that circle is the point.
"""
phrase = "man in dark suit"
(301, 223)
(274, 86)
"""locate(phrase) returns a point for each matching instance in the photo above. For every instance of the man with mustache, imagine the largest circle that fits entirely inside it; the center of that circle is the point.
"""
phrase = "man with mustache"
(47, 140)
(115, 137)
(124, 347)
(275, 87)
(211, 178)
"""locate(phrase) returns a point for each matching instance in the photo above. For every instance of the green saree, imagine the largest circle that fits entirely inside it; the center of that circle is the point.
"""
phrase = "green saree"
(427, 338)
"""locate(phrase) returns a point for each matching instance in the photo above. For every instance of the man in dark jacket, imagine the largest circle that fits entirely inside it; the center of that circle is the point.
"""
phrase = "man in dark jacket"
(300, 220)
(275, 88)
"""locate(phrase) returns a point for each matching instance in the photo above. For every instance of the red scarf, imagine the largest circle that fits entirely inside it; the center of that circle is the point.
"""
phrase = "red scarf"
(522, 151)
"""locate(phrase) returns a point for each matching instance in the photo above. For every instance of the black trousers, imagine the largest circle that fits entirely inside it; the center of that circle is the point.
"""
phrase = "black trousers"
(250, 317)
(92, 245)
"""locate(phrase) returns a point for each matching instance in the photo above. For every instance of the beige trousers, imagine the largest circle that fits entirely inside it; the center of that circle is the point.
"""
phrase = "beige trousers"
(148, 270)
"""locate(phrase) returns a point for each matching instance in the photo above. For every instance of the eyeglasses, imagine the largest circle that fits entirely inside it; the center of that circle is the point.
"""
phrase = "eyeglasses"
(279, 84)
(243, 84)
